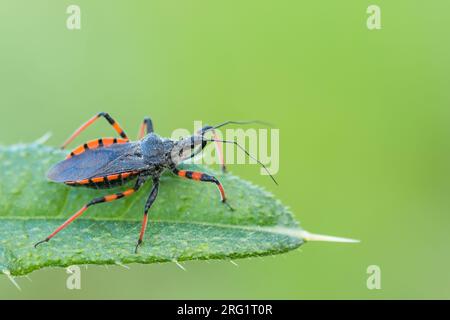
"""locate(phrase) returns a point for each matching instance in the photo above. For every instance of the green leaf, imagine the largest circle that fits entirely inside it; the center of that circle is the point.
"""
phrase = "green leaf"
(187, 221)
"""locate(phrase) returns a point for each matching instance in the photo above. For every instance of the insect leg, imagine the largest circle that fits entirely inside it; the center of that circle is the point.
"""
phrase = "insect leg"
(146, 126)
(108, 118)
(148, 204)
(107, 198)
(203, 177)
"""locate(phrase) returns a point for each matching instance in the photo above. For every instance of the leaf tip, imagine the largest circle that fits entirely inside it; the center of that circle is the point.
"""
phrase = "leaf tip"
(308, 236)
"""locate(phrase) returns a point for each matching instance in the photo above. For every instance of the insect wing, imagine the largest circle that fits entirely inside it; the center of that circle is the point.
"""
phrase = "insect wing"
(109, 160)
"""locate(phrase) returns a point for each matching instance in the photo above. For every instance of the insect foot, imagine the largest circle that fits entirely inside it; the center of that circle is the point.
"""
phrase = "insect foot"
(40, 242)
(137, 246)
(228, 205)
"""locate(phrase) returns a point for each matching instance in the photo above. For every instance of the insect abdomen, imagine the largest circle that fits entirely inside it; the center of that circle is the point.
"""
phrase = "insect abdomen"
(105, 182)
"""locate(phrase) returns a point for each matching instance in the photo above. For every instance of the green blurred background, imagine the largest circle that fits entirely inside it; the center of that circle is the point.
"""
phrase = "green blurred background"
(363, 118)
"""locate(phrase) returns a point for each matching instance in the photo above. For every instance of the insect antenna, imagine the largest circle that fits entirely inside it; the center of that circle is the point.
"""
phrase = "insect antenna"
(241, 122)
(247, 153)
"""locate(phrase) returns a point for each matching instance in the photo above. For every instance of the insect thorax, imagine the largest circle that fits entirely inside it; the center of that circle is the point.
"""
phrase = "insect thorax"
(156, 150)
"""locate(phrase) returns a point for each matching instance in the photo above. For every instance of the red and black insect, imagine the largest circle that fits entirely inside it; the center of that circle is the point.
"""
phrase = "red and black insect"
(110, 162)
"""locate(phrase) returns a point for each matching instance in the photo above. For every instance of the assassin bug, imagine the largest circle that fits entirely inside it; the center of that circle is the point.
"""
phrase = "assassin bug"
(110, 162)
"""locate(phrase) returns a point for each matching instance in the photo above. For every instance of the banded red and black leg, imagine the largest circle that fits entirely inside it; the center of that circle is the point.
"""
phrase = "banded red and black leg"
(203, 177)
(148, 204)
(95, 201)
(108, 118)
(94, 144)
(145, 128)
